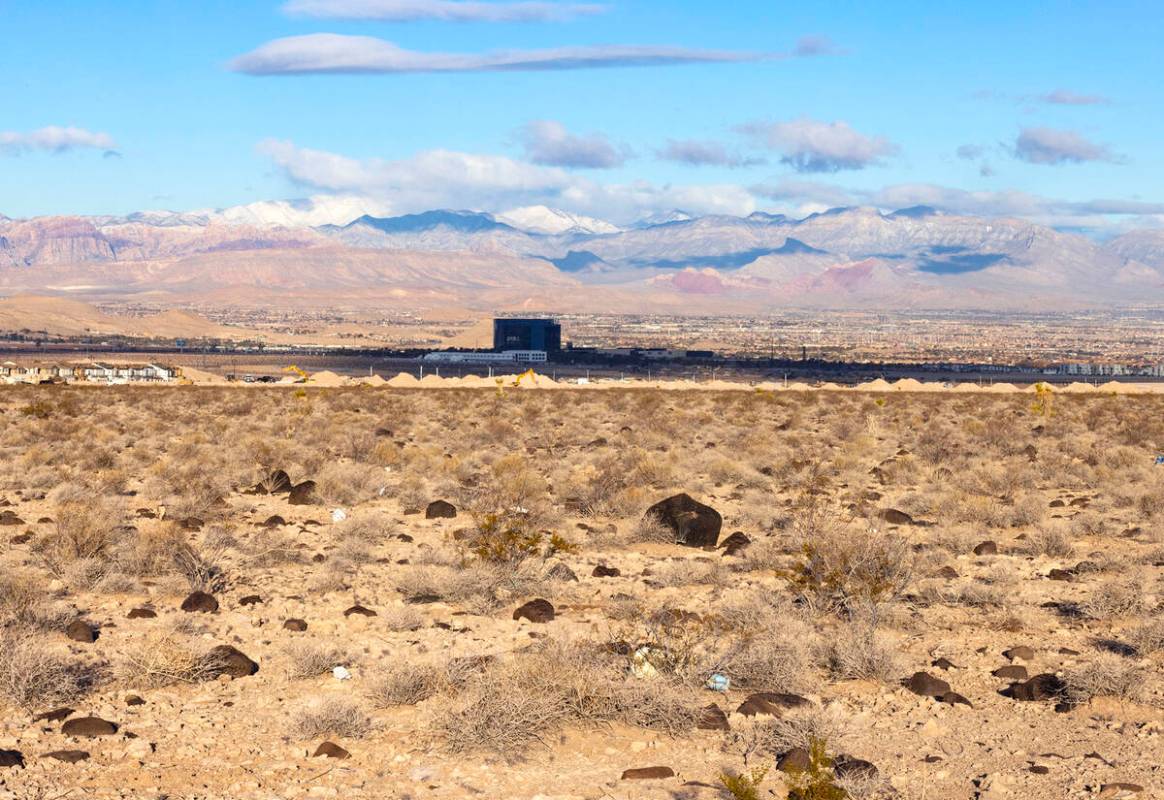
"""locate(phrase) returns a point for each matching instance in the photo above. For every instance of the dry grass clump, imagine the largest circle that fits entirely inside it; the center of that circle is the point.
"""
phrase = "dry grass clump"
(774, 736)
(405, 683)
(1109, 600)
(166, 659)
(311, 659)
(1107, 676)
(35, 675)
(331, 716)
(1148, 638)
(1054, 542)
(82, 531)
(689, 572)
(517, 703)
(770, 661)
(857, 651)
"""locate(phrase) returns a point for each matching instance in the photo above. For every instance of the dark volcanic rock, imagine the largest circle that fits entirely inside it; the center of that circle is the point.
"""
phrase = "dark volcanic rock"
(81, 631)
(68, 756)
(56, 715)
(11, 758)
(647, 773)
(330, 750)
(359, 611)
(693, 523)
(849, 767)
(926, 685)
(302, 494)
(200, 602)
(712, 718)
(440, 509)
(9, 518)
(987, 548)
(227, 660)
(953, 698)
(1011, 672)
(142, 613)
(603, 571)
(770, 703)
(1041, 687)
(535, 611)
(296, 625)
(735, 544)
(895, 517)
(795, 760)
(250, 600)
(1021, 652)
(88, 727)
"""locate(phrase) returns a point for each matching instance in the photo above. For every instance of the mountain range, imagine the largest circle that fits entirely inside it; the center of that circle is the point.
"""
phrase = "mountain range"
(331, 250)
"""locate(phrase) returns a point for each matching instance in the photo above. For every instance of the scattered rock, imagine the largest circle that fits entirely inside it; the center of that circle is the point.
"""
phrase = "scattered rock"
(296, 625)
(943, 664)
(735, 544)
(1061, 575)
(56, 715)
(926, 685)
(895, 517)
(440, 509)
(142, 613)
(1041, 687)
(1021, 652)
(68, 756)
(330, 750)
(11, 758)
(987, 548)
(227, 660)
(7, 517)
(647, 773)
(535, 611)
(712, 718)
(603, 571)
(795, 760)
(302, 494)
(693, 523)
(81, 631)
(250, 600)
(770, 703)
(953, 698)
(946, 572)
(278, 482)
(1011, 672)
(1120, 789)
(359, 611)
(561, 572)
(134, 700)
(200, 602)
(88, 727)
(848, 767)
(273, 521)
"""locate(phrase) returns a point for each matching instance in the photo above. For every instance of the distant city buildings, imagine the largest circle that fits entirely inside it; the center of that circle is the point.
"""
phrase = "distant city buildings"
(527, 334)
(88, 372)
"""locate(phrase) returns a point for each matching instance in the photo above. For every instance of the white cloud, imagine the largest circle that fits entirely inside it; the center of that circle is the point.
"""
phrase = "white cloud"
(699, 153)
(443, 10)
(1064, 97)
(340, 54)
(55, 139)
(809, 145)
(549, 143)
(448, 179)
(1052, 147)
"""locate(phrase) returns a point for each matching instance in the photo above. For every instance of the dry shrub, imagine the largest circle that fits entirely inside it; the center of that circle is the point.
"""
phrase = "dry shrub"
(1110, 600)
(331, 716)
(770, 661)
(311, 659)
(35, 675)
(518, 702)
(168, 658)
(81, 532)
(402, 618)
(774, 736)
(1149, 637)
(688, 572)
(1046, 540)
(843, 569)
(857, 651)
(1107, 676)
(406, 683)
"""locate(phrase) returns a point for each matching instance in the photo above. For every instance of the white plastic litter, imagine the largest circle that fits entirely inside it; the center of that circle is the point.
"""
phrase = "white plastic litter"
(342, 674)
(339, 515)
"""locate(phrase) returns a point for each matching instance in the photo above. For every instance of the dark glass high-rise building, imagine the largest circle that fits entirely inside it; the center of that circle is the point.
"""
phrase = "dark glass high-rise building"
(527, 334)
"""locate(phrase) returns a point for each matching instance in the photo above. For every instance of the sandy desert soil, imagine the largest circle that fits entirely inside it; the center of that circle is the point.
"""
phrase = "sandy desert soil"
(208, 593)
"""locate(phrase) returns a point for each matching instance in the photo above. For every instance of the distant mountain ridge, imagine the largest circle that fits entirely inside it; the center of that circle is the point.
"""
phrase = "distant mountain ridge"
(917, 257)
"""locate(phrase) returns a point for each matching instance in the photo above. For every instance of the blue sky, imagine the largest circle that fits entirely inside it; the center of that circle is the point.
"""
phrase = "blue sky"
(1046, 110)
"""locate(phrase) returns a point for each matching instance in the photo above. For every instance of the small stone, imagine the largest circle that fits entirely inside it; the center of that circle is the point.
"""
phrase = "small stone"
(88, 727)
(296, 625)
(1021, 652)
(359, 611)
(11, 758)
(539, 611)
(227, 660)
(712, 718)
(200, 602)
(987, 548)
(603, 571)
(68, 756)
(647, 773)
(440, 509)
(142, 613)
(330, 750)
(926, 685)
(81, 631)
(795, 760)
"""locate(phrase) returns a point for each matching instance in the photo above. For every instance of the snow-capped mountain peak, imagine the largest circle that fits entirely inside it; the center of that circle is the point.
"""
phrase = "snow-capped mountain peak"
(541, 219)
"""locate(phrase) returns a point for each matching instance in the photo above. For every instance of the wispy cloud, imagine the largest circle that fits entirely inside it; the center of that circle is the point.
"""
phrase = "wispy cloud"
(1053, 147)
(1064, 97)
(442, 10)
(548, 143)
(815, 45)
(340, 54)
(809, 145)
(55, 139)
(701, 153)
(449, 179)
